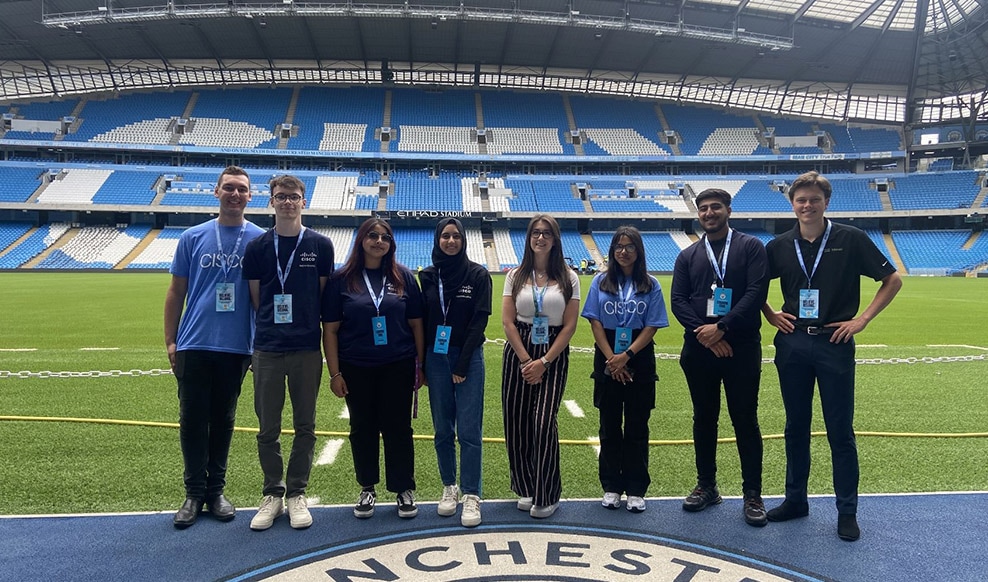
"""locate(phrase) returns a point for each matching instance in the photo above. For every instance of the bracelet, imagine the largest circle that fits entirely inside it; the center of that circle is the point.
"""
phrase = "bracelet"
(525, 363)
(335, 376)
(544, 361)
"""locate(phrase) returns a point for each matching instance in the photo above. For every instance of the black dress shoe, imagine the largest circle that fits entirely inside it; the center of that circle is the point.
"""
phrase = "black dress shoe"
(187, 514)
(221, 509)
(847, 527)
(754, 509)
(788, 510)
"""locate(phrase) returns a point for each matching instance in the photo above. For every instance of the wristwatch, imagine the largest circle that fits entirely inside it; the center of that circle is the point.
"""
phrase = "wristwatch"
(721, 326)
(629, 352)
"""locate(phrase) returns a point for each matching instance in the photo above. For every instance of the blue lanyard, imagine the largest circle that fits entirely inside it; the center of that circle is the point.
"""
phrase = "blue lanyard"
(384, 286)
(625, 294)
(720, 270)
(442, 297)
(819, 255)
(283, 276)
(538, 296)
(225, 263)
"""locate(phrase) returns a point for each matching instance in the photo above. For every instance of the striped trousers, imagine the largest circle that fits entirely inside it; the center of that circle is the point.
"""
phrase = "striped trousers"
(531, 433)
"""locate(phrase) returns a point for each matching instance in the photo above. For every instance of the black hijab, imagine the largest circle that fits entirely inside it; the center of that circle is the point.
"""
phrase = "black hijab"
(453, 269)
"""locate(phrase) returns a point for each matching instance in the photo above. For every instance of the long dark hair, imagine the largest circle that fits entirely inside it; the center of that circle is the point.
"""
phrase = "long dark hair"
(556, 269)
(611, 281)
(352, 271)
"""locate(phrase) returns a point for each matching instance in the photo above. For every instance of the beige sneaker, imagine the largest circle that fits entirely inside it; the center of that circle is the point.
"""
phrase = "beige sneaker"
(271, 508)
(298, 512)
(449, 500)
(470, 516)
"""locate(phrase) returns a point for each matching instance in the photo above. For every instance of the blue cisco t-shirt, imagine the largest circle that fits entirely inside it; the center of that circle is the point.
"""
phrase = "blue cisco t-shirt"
(198, 259)
(636, 312)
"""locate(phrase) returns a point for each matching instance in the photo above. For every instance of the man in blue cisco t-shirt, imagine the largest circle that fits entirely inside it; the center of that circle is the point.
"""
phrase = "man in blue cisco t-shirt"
(209, 349)
(286, 270)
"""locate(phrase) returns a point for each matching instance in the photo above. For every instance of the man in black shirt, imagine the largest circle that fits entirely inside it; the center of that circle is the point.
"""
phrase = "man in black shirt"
(718, 287)
(819, 264)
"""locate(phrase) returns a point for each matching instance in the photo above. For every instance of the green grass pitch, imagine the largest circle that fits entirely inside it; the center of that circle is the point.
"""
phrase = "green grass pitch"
(922, 409)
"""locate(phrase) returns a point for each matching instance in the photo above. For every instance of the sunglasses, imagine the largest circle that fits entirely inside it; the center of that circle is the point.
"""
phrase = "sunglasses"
(376, 236)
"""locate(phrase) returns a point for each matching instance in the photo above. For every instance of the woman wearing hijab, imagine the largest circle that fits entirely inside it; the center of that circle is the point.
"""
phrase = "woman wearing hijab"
(457, 296)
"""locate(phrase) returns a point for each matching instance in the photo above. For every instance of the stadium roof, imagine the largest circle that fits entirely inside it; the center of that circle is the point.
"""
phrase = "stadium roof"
(879, 57)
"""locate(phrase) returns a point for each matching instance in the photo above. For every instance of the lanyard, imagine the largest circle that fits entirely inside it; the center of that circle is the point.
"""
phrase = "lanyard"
(626, 293)
(720, 270)
(384, 286)
(819, 254)
(225, 263)
(538, 296)
(283, 276)
(442, 297)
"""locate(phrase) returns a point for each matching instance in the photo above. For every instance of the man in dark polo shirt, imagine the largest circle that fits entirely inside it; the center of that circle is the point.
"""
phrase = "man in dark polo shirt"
(819, 264)
(286, 271)
(718, 288)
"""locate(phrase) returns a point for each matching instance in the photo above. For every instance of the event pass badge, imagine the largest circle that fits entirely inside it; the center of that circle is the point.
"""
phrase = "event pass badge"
(442, 339)
(283, 308)
(809, 303)
(540, 330)
(225, 297)
(380, 328)
(622, 339)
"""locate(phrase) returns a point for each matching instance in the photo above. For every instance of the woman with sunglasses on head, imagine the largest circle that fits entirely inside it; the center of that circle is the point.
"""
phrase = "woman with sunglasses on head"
(539, 312)
(374, 343)
(457, 295)
(625, 307)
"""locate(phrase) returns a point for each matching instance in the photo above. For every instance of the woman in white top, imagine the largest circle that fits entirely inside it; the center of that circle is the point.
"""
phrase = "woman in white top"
(540, 309)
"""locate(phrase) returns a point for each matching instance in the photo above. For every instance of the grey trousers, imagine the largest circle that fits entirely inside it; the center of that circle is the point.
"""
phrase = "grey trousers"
(303, 371)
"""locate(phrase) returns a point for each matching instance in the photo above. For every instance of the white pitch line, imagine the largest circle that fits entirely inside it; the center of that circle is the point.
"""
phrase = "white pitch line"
(97, 349)
(18, 349)
(345, 413)
(574, 408)
(957, 346)
(872, 346)
(329, 452)
(596, 447)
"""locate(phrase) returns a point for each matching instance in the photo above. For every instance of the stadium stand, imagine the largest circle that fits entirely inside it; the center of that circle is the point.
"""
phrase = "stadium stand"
(100, 119)
(661, 248)
(525, 123)
(854, 195)
(417, 191)
(75, 186)
(939, 252)
(158, 254)
(756, 196)
(96, 247)
(707, 132)
(34, 245)
(334, 192)
(18, 183)
(946, 190)
(618, 128)
(11, 231)
(244, 118)
(338, 119)
(127, 188)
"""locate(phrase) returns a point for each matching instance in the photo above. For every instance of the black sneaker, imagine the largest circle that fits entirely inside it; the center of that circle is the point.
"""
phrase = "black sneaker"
(406, 504)
(788, 510)
(847, 527)
(365, 504)
(754, 509)
(701, 497)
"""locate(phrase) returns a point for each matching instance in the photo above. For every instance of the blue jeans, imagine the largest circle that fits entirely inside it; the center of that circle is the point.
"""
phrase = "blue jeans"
(457, 414)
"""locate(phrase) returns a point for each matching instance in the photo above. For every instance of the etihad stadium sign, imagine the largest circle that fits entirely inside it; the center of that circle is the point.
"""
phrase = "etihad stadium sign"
(511, 553)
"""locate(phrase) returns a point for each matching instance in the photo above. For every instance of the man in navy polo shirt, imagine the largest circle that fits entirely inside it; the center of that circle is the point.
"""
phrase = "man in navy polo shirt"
(819, 264)
(718, 288)
(286, 270)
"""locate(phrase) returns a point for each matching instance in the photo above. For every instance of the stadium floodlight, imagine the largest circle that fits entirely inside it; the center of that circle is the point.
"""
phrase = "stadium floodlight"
(569, 18)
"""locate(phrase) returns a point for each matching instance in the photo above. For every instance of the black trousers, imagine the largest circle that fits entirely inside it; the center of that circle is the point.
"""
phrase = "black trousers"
(380, 404)
(208, 388)
(623, 462)
(741, 375)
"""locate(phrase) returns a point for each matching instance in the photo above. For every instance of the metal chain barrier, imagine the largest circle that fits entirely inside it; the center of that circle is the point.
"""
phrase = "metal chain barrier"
(5, 374)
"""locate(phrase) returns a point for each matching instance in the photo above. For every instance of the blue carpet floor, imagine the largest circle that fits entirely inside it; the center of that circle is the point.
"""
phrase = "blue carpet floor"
(919, 537)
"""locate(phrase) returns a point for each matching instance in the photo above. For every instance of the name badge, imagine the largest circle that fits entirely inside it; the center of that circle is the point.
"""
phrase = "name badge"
(809, 303)
(540, 330)
(622, 339)
(225, 297)
(722, 301)
(380, 327)
(283, 308)
(442, 339)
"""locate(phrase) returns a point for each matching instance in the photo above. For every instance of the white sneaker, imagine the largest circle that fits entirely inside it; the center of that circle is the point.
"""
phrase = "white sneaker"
(449, 500)
(271, 507)
(635, 504)
(611, 500)
(470, 517)
(298, 512)
(525, 504)
(543, 511)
